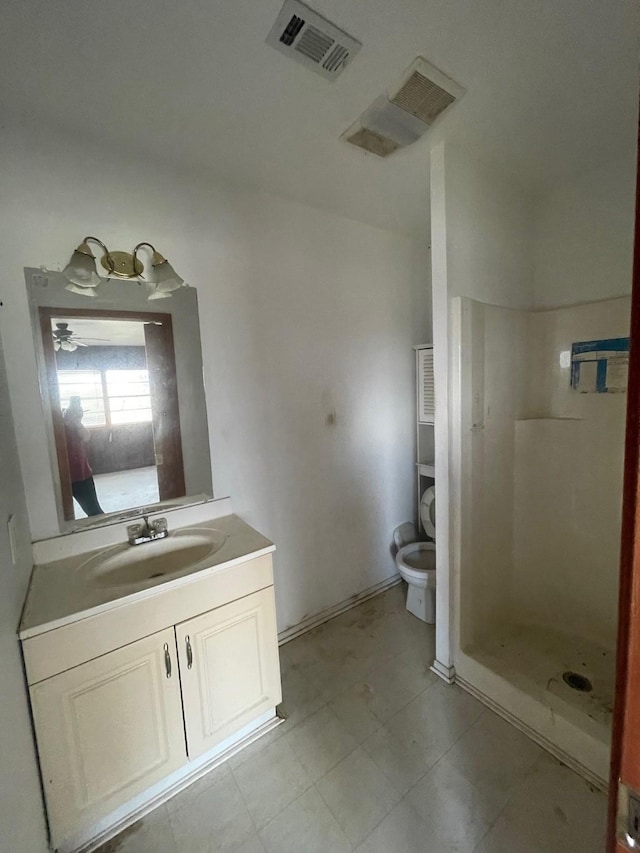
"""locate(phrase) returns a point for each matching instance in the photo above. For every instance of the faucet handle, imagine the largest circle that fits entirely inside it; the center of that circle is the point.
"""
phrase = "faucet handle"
(134, 531)
(159, 525)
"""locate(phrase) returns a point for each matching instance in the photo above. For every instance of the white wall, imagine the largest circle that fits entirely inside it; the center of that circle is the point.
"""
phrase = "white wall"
(489, 224)
(584, 236)
(307, 323)
(21, 816)
(493, 349)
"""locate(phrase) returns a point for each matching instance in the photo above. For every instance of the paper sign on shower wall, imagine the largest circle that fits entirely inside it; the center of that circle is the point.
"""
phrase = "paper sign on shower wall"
(600, 367)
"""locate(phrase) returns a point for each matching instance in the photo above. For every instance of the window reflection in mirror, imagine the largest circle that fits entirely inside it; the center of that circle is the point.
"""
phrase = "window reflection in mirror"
(113, 391)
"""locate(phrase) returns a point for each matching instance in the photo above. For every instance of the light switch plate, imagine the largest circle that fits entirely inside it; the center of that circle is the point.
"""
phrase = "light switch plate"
(11, 529)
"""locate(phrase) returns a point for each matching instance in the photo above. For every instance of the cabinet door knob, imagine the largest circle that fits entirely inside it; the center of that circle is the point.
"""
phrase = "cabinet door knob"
(167, 660)
(189, 652)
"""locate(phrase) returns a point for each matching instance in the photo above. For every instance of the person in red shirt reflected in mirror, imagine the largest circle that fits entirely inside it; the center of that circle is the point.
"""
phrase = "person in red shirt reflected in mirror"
(77, 436)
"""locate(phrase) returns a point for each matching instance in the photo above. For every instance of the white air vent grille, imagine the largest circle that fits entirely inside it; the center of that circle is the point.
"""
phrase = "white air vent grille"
(423, 98)
(336, 58)
(314, 44)
(426, 387)
(307, 37)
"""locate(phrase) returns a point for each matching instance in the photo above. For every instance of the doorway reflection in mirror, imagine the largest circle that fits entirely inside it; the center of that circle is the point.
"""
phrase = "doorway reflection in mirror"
(112, 379)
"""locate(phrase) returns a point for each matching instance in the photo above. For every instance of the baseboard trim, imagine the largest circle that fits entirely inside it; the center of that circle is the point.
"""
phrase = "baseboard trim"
(335, 610)
(560, 754)
(446, 673)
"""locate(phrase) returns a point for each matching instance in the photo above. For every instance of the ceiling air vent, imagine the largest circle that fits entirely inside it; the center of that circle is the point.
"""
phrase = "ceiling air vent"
(371, 141)
(425, 92)
(307, 37)
(406, 112)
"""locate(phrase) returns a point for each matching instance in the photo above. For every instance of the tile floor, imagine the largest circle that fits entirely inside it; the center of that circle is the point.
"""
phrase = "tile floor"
(378, 756)
(124, 489)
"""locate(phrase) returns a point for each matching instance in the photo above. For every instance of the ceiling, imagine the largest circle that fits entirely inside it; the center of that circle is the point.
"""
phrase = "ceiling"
(551, 89)
(104, 333)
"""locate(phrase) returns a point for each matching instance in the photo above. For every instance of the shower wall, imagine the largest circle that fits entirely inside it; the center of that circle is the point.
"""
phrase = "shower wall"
(492, 367)
(541, 497)
(568, 461)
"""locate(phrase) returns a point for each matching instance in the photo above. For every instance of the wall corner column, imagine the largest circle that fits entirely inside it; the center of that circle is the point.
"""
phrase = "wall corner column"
(443, 664)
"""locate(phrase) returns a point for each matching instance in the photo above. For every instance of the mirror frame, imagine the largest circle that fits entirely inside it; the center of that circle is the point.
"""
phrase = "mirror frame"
(47, 297)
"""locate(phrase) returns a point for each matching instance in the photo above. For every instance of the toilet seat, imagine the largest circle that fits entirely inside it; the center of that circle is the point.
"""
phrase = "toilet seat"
(428, 512)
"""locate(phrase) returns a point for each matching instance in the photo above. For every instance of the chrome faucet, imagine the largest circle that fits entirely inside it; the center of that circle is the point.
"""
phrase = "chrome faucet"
(147, 531)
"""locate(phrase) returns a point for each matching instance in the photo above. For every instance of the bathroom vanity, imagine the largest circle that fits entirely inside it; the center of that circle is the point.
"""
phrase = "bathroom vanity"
(150, 646)
(146, 665)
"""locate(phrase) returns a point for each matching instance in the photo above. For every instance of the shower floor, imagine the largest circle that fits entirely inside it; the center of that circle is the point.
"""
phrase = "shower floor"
(533, 659)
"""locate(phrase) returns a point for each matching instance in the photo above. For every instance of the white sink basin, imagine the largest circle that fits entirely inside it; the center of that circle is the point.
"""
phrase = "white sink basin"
(179, 553)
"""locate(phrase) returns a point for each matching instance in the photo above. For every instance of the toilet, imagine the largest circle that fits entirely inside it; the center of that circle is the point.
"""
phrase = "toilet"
(416, 561)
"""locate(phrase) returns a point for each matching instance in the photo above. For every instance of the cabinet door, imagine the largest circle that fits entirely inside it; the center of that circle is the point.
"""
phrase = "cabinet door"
(229, 668)
(107, 730)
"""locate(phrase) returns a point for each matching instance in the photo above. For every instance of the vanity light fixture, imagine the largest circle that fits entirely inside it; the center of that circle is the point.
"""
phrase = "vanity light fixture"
(82, 274)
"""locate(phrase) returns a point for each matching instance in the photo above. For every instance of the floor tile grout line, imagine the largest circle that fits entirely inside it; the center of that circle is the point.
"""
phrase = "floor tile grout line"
(244, 800)
(510, 796)
(404, 707)
(293, 801)
(333, 766)
(437, 762)
(242, 797)
(335, 817)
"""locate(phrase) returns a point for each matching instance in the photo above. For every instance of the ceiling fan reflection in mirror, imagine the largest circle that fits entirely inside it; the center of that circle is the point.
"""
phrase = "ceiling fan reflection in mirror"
(64, 339)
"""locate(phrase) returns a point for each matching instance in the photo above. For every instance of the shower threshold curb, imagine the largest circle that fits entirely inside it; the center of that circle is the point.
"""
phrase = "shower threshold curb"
(551, 748)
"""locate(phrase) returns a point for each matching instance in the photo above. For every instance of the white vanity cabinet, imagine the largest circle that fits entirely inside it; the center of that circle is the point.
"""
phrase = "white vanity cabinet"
(108, 729)
(151, 690)
(229, 669)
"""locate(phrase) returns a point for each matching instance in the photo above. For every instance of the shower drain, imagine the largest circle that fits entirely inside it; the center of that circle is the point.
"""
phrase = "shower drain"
(577, 681)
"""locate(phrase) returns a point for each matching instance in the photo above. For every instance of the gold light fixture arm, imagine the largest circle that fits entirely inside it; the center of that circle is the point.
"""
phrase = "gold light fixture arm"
(156, 258)
(107, 254)
(139, 246)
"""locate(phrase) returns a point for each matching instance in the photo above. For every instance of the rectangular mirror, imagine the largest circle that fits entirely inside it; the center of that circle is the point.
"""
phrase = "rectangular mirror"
(123, 397)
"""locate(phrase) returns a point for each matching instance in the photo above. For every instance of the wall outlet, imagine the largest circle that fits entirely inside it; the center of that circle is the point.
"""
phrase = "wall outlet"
(12, 531)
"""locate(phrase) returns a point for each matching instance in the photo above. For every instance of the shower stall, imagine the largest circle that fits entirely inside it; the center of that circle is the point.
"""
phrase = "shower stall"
(538, 511)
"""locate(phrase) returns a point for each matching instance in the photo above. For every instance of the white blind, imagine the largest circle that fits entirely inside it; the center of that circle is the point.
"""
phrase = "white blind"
(426, 392)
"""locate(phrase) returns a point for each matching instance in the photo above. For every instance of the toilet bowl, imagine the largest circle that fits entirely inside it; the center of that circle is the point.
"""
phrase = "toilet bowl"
(416, 561)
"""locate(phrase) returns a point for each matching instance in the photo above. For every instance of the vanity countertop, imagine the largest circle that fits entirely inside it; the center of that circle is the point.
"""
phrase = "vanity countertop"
(60, 594)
